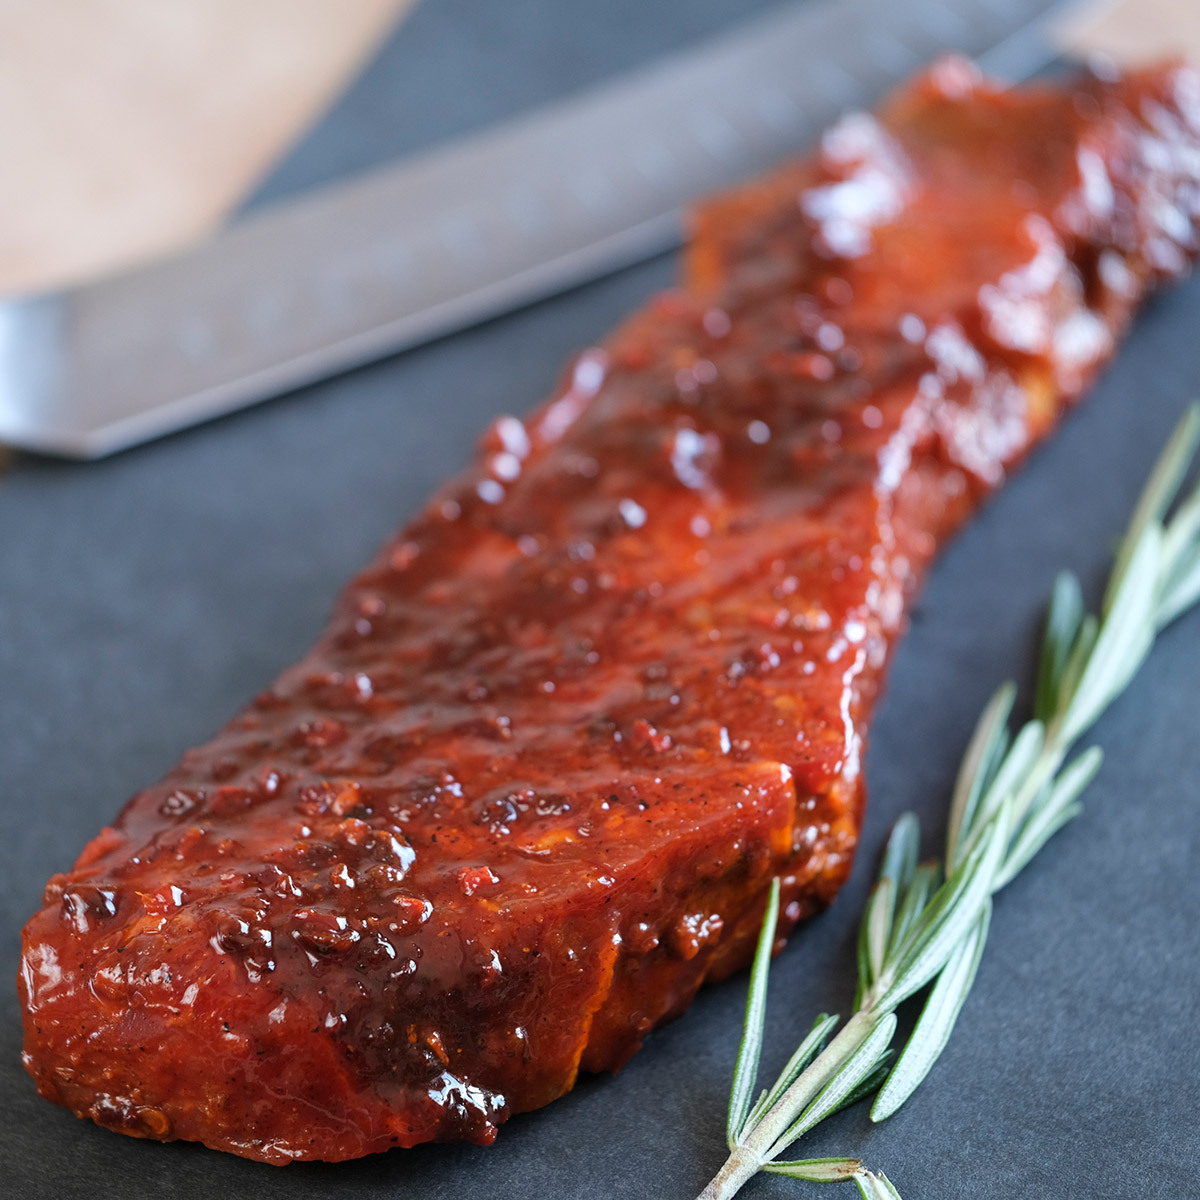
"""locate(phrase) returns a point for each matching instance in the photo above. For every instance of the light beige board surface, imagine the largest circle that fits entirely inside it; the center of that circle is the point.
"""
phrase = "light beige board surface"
(129, 127)
(1134, 31)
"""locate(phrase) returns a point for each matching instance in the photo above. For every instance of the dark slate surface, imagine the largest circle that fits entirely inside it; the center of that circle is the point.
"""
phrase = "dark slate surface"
(144, 598)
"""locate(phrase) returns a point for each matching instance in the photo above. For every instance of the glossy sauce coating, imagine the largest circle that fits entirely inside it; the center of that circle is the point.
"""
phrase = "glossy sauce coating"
(528, 791)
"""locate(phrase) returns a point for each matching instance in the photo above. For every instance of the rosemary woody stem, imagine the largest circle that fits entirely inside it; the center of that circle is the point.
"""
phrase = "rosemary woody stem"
(780, 1115)
(739, 1167)
(762, 1144)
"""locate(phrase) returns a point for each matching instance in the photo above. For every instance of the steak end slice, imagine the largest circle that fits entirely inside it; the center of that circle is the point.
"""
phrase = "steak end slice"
(529, 790)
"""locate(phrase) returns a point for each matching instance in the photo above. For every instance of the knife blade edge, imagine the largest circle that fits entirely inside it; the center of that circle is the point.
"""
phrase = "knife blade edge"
(493, 221)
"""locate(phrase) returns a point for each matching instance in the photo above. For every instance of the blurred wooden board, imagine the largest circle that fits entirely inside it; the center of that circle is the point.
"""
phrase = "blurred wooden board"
(1132, 32)
(130, 127)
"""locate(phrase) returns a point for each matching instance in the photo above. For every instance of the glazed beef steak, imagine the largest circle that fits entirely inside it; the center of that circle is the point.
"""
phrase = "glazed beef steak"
(528, 791)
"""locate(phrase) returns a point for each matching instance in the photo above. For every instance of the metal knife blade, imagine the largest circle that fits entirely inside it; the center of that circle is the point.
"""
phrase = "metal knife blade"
(402, 255)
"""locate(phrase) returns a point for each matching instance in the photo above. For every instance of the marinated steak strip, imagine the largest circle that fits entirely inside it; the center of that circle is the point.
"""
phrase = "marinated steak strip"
(529, 789)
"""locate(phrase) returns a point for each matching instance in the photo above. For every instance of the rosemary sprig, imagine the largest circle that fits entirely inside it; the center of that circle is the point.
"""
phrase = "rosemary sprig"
(927, 923)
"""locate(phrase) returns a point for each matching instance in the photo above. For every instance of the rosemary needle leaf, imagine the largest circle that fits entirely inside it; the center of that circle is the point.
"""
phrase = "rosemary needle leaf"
(1026, 747)
(900, 857)
(833, 1095)
(877, 926)
(888, 1186)
(1182, 588)
(1051, 814)
(808, 1049)
(875, 1187)
(872, 1082)
(923, 884)
(746, 1071)
(1125, 637)
(1035, 837)
(864, 966)
(952, 911)
(1062, 627)
(1085, 640)
(1184, 528)
(896, 872)
(936, 1022)
(817, 1170)
(1156, 496)
(987, 744)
